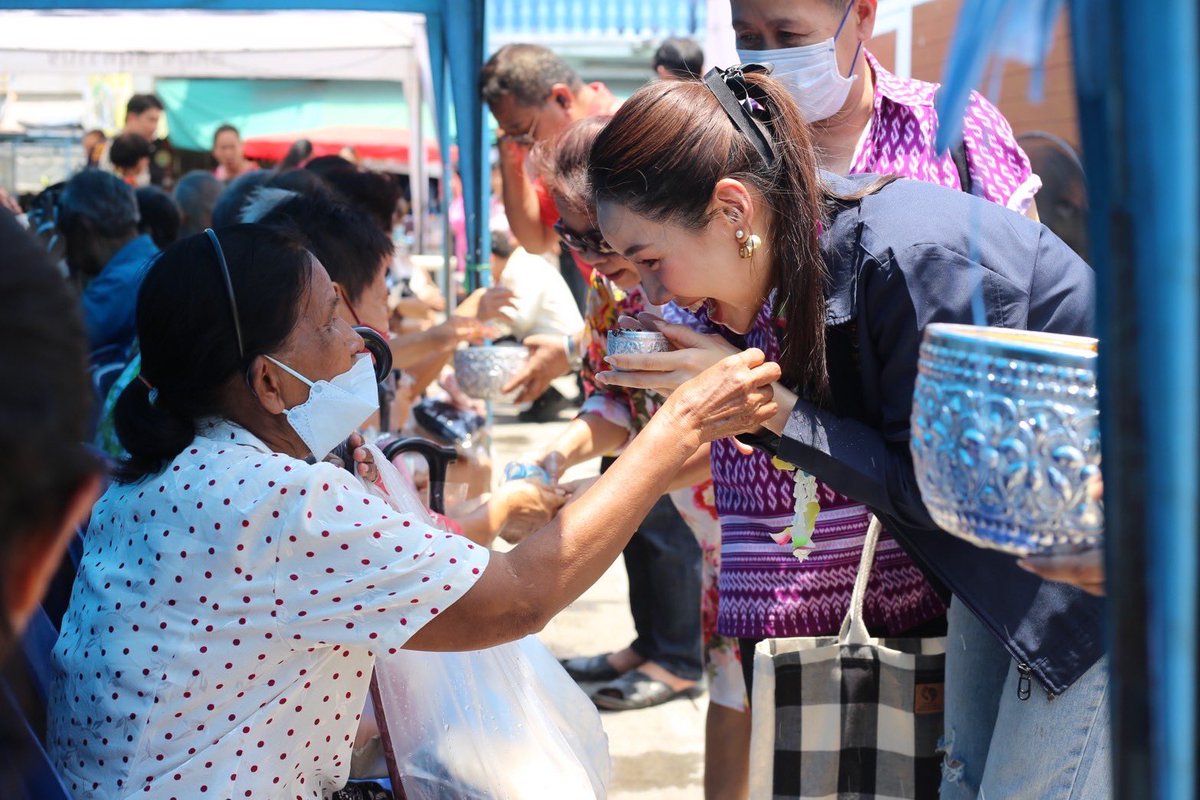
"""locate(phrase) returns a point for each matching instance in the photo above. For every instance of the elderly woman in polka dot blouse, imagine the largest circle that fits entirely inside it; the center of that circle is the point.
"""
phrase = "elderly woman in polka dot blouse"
(235, 590)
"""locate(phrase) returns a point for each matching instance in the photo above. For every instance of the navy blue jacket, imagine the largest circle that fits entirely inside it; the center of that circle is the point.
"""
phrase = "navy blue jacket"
(898, 260)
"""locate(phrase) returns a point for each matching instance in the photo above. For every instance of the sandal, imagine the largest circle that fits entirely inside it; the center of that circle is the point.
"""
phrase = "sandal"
(590, 669)
(636, 689)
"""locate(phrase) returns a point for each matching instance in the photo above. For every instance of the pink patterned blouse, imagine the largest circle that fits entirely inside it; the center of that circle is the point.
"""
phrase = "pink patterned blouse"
(899, 140)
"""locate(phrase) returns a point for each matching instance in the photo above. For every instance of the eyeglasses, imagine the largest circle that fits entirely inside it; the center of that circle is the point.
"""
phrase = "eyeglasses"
(590, 242)
(525, 138)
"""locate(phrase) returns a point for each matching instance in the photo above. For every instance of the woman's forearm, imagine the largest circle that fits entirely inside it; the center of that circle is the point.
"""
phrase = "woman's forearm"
(696, 469)
(586, 437)
(521, 590)
(480, 519)
(411, 348)
(787, 401)
(573, 552)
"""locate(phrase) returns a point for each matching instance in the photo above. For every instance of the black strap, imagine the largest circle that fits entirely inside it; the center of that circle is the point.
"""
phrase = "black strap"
(732, 91)
(237, 325)
(958, 154)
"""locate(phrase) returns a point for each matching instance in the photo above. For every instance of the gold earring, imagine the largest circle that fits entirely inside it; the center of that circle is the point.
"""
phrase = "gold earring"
(748, 244)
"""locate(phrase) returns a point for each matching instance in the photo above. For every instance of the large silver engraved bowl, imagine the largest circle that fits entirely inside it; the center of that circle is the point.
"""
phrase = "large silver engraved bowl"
(483, 371)
(1006, 440)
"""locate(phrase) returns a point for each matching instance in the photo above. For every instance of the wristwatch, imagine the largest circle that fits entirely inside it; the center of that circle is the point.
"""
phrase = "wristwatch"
(574, 359)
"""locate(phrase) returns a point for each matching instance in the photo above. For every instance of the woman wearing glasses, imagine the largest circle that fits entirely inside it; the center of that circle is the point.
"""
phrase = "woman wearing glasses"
(672, 585)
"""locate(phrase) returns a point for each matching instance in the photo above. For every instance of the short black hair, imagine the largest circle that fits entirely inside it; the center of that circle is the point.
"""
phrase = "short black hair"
(128, 149)
(503, 244)
(141, 103)
(374, 193)
(161, 218)
(196, 194)
(101, 197)
(225, 128)
(323, 166)
(527, 72)
(344, 239)
(680, 56)
(45, 397)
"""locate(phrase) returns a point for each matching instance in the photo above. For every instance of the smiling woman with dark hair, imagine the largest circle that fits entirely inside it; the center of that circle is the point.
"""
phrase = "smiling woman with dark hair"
(713, 191)
(232, 595)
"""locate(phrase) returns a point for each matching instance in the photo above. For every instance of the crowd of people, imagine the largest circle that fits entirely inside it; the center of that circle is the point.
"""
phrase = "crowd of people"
(214, 380)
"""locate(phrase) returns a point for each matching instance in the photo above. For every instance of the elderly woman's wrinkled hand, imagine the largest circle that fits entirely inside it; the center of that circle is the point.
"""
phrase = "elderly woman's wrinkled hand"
(731, 397)
(665, 372)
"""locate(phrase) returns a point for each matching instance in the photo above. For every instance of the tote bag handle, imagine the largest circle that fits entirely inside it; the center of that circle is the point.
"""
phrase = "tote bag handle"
(854, 627)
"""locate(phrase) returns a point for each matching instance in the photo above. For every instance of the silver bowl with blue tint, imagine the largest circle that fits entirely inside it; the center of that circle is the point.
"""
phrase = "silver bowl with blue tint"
(1006, 438)
(483, 371)
(621, 341)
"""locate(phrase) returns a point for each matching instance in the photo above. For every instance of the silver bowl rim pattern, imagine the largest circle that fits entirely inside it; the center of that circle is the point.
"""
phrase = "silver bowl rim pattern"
(1058, 349)
(636, 335)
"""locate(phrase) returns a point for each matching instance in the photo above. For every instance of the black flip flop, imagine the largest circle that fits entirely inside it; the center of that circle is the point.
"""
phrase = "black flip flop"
(590, 669)
(636, 689)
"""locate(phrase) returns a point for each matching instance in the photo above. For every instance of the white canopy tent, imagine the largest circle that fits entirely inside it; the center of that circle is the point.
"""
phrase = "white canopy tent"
(318, 45)
(349, 45)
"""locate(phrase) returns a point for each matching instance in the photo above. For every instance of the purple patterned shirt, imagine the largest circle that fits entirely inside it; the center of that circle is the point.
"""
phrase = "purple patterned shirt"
(899, 140)
(764, 590)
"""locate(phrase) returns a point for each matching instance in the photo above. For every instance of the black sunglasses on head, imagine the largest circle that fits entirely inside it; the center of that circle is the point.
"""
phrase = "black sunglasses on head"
(591, 242)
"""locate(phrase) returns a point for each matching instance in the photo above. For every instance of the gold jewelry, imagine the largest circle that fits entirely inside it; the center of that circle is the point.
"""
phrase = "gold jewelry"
(752, 243)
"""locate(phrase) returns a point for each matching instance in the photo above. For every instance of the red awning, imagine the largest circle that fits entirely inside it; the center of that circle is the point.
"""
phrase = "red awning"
(371, 143)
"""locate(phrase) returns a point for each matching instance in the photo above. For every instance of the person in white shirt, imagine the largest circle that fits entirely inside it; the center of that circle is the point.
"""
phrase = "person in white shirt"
(234, 590)
(532, 302)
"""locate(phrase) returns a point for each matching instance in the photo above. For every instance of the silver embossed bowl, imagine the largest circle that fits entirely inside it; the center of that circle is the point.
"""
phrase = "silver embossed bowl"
(629, 341)
(482, 371)
(1006, 438)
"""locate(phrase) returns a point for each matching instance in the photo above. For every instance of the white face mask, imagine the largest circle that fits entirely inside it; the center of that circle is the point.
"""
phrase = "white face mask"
(810, 73)
(334, 408)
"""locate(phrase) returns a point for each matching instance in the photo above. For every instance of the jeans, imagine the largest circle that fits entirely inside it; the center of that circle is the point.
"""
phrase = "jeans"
(1001, 747)
(663, 563)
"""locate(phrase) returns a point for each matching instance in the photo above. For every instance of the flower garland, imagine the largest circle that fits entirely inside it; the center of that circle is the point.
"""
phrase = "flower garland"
(804, 517)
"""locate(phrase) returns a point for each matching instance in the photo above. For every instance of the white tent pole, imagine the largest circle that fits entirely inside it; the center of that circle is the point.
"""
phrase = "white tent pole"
(416, 156)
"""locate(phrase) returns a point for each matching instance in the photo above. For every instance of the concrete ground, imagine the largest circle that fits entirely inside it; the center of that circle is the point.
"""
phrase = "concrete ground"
(657, 752)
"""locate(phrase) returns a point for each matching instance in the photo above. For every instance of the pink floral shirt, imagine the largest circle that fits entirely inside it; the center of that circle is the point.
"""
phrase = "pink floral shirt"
(900, 140)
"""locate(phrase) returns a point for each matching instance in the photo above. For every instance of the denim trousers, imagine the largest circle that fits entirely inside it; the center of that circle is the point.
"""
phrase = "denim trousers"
(1006, 738)
(663, 563)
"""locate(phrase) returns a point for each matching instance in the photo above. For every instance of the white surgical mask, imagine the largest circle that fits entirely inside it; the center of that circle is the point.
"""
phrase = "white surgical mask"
(810, 73)
(334, 408)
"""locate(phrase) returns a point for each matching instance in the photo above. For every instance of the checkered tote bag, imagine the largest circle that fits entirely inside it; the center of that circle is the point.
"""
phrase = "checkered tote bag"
(847, 717)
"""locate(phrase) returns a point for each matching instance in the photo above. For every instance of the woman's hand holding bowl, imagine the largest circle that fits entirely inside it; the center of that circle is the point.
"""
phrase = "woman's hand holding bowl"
(665, 372)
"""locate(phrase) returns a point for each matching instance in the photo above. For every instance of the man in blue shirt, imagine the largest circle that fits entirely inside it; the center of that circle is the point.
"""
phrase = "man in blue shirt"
(98, 216)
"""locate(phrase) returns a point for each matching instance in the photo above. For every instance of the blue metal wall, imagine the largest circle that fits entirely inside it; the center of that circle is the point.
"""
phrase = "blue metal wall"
(623, 18)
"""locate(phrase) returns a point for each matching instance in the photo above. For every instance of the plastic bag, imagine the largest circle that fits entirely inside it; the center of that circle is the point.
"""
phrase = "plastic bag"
(506, 723)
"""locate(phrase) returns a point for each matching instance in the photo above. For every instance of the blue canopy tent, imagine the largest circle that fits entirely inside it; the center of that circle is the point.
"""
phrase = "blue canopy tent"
(455, 32)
